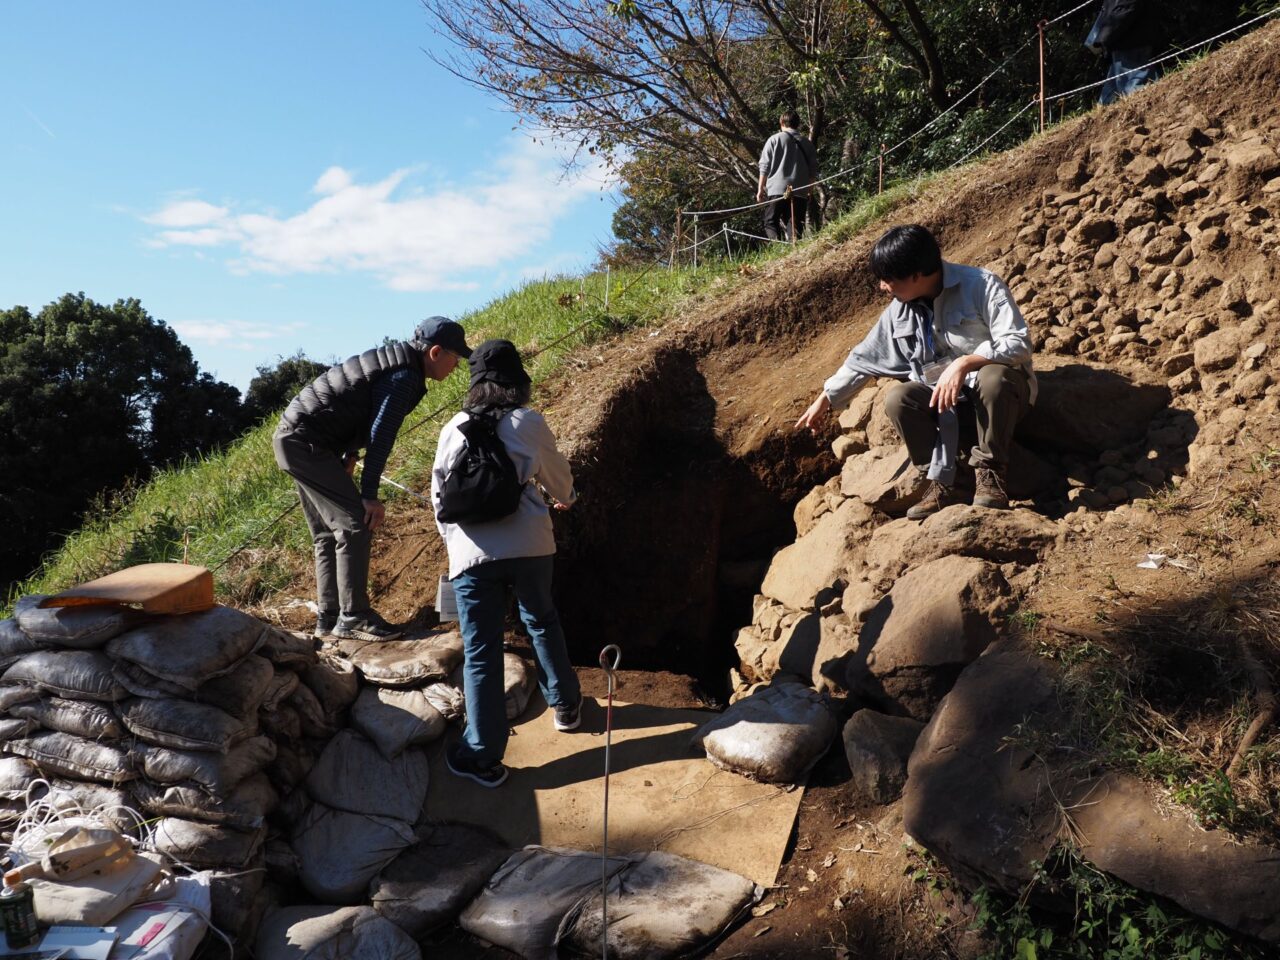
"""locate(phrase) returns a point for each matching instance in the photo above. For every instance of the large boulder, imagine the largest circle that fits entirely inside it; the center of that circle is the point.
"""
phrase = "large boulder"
(882, 477)
(1000, 536)
(1123, 830)
(815, 647)
(935, 621)
(820, 559)
(977, 796)
(878, 747)
(1088, 409)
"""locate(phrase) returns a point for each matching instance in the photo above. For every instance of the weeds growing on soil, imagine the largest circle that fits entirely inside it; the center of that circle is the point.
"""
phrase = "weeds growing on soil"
(206, 509)
(1098, 917)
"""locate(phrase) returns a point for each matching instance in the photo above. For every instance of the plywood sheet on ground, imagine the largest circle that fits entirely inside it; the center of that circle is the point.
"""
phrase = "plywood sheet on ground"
(662, 793)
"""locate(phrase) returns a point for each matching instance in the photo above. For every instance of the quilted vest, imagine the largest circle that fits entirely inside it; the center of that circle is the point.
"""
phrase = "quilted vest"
(335, 410)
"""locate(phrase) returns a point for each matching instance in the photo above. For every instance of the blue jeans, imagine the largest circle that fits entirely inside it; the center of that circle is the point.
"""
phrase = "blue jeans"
(481, 593)
(1122, 61)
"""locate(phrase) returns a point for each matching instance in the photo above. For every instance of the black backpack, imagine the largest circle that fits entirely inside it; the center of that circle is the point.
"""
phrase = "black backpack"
(482, 484)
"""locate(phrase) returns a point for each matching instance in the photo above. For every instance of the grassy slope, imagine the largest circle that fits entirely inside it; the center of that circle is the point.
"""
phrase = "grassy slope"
(208, 509)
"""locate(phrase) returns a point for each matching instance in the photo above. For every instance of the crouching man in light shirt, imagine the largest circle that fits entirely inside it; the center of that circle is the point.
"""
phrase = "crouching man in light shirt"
(957, 344)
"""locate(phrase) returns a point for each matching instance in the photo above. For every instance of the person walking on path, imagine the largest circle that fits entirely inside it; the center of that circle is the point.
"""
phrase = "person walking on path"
(515, 552)
(788, 165)
(1127, 32)
(354, 405)
(956, 342)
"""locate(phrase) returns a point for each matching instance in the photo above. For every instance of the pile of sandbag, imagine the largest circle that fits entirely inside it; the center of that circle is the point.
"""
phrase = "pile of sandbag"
(359, 804)
(199, 722)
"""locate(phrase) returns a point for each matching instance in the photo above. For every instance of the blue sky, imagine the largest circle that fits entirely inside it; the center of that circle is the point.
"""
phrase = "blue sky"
(271, 176)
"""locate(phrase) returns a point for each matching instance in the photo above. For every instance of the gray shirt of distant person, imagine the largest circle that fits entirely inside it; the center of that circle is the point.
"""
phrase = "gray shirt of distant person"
(787, 160)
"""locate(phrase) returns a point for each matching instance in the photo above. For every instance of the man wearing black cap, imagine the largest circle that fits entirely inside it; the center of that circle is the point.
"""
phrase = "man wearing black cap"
(357, 404)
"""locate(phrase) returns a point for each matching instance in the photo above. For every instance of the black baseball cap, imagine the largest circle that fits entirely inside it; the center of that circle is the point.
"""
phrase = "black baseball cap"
(443, 332)
(498, 361)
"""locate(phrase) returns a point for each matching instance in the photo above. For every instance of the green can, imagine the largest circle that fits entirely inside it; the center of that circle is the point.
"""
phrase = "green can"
(18, 909)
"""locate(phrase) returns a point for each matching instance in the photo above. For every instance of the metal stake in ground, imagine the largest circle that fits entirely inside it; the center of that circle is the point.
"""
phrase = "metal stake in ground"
(609, 669)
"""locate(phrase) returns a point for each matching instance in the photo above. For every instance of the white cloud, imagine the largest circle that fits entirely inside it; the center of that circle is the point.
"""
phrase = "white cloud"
(236, 334)
(187, 213)
(410, 239)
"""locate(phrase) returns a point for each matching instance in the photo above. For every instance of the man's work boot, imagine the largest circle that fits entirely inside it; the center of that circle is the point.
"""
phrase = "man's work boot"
(935, 498)
(992, 489)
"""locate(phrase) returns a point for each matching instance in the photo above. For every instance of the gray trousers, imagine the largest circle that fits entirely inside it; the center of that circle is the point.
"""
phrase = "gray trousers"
(335, 516)
(1000, 399)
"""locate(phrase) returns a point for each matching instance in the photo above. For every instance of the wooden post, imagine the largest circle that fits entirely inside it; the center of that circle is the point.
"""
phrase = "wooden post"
(675, 244)
(791, 207)
(695, 241)
(1040, 26)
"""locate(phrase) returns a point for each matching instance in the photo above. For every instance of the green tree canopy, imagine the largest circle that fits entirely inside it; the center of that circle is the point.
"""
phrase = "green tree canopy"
(91, 396)
(275, 386)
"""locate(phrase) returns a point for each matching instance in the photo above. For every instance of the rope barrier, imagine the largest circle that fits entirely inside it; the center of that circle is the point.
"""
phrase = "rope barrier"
(1002, 129)
(1177, 53)
(886, 152)
(1063, 16)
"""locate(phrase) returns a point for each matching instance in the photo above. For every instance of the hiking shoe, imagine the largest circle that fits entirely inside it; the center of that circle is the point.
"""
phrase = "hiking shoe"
(991, 489)
(568, 717)
(935, 498)
(325, 622)
(459, 764)
(365, 626)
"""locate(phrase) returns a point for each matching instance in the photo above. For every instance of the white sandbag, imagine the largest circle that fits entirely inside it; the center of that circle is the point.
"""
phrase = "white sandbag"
(84, 718)
(428, 885)
(341, 852)
(352, 775)
(283, 683)
(245, 808)
(180, 939)
(285, 648)
(396, 719)
(216, 772)
(239, 692)
(408, 663)
(234, 900)
(446, 698)
(310, 714)
(142, 684)
(112, 805)
(192, 648)
(661, 907)
(184, 725)
(281, 724)
(195, 844)
(16, 774)
(15, 728)
(775, 735)
(517, 682)
(74, 674)
(521, 906)
(97, 899)
(336, 685)
(81, 627)
(14, 644)
(72, 756)
(280, 860)
(17, 693)
(325, 933)
(292, 764)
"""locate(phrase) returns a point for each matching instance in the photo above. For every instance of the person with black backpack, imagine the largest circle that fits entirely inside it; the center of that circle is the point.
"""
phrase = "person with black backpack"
(493, 462)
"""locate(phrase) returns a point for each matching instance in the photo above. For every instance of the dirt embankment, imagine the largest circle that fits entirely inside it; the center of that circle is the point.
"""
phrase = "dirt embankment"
(1141, 240)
